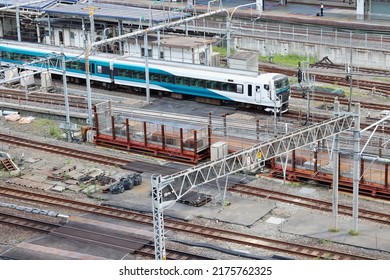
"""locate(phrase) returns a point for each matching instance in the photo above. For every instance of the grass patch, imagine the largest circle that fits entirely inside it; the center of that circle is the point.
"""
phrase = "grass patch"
(222, 51)
(353, 232)
(290, 60)
(47, 128)
(333, 229)
(323, 241)
(55, 132)
(295, 184)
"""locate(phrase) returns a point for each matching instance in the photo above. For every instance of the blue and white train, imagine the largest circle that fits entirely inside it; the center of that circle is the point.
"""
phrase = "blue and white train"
(268, 91)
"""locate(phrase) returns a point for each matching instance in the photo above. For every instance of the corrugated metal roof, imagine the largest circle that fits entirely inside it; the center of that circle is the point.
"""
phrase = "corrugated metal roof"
(37, 6)
(116, 12)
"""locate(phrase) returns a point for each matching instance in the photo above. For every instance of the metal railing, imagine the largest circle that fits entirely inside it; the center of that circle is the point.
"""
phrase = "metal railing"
(289, 32)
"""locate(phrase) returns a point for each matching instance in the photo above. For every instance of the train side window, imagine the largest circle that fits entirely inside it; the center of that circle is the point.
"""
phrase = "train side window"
(194, 82)
(154, 77)
(105, 69)
(249, 90)
(167, 79)
(99, 69)
(186, 81)
(211, 85)
(179, 80)
(139, 75)
(227, 87)
(197, 83)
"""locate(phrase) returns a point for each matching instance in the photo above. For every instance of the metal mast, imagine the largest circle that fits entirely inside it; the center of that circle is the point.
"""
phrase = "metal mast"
(181, 183)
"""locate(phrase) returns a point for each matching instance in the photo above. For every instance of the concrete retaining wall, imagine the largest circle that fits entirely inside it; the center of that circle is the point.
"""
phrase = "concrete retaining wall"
(339, 55)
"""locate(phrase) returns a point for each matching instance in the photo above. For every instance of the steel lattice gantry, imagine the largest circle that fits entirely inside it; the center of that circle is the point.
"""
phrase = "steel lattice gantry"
(169, 189)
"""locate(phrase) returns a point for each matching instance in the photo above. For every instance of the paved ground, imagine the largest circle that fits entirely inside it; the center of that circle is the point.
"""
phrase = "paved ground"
(342, 16)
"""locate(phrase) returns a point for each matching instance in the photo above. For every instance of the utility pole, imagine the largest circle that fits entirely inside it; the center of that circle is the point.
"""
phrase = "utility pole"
(349, 79)
(67, 124)
(308, 86)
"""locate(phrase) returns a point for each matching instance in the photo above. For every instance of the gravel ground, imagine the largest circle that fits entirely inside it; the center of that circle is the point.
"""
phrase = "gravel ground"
(11, 236)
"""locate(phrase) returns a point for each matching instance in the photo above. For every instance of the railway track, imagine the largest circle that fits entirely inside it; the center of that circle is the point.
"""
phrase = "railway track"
(382, 218)
(31, 224)
(379, 87)
(94, 237)
(316, 118)
(305, 251)
(44, 98)
(324, 97)
(133, 165)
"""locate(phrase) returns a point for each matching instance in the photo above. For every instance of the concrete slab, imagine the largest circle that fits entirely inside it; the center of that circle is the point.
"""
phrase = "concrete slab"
(60, 253)
(58, 188)
(32, 160)
(34, 177)
(317, 226)
(275, 220)
(136, 232)
(30, 184)
(240, 211)
(307, 190)
(75, 188)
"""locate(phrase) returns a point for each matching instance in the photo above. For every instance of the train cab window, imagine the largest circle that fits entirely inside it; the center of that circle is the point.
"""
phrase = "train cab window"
(266, 87)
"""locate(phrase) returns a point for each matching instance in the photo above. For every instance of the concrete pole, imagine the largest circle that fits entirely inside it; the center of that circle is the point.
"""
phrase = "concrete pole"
(88, 82)
(359, 9)
(120, 33)
(83, 33)
(38, 34)
(228, 23)
(18, 25)
(335, 202)
(146, 53)
(158, 44)
(68, 132)
(92, 22)
(49, 27)
(356, 168)
(259, 5)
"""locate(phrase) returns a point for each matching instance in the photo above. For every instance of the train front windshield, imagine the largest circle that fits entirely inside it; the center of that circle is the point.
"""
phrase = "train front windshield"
(282, 87)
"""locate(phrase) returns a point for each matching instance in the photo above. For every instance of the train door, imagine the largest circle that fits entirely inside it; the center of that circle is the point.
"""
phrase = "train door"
(249, 95)
(257, 93)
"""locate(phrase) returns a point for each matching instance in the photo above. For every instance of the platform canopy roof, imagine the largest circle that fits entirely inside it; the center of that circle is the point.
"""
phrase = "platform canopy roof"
(115, 12)
(34, 6)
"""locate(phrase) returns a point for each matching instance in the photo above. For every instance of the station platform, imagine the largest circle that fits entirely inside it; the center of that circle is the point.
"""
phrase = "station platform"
(336, 13)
